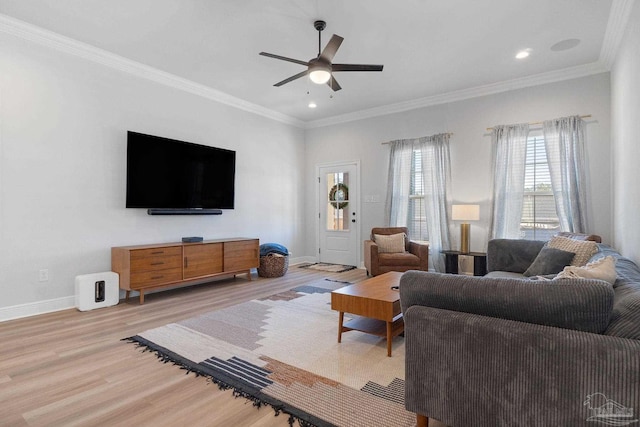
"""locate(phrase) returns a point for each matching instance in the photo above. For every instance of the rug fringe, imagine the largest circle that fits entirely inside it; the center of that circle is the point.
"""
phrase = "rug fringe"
(256, 402)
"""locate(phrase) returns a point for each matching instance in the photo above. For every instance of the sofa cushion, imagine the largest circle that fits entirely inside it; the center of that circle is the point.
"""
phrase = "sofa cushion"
(579, 304)
(549, 261)
(583, 250)
(512, 255)
(398, 259)
(504, 275)
(392, 243)
(601, 269)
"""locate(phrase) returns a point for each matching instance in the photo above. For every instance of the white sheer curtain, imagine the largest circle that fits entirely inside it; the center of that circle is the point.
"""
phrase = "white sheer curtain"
(436, 175)
(509, 157)
(436, 167)
(564, 141)
(399, 183)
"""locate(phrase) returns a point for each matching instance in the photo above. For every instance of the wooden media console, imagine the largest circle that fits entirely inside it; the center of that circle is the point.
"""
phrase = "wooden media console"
(146, 267)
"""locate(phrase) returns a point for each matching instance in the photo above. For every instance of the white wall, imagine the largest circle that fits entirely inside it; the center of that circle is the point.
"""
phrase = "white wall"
(470, 147)
(62, 170)
(625, 136)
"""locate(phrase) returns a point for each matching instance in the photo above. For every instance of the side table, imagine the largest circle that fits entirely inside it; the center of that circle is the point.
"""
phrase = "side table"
(479, 262)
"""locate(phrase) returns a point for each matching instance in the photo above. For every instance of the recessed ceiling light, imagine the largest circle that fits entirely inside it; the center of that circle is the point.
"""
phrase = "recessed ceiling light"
(523, 54)
(312, 104)
(565, 45)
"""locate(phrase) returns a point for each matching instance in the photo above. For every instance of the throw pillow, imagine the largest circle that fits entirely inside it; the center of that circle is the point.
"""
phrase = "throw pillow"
(602, 269)
(391, 243)
(583, 250)
(549, 261)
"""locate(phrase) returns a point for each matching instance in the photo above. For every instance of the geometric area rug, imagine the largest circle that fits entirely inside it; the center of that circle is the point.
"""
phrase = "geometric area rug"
(282, 351)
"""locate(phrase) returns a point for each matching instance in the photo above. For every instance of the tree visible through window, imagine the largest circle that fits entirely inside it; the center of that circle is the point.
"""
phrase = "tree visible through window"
(539, 218)
(417, 221)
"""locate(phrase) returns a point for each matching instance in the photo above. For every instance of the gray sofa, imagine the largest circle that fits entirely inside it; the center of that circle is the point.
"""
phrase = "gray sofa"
(511, 351)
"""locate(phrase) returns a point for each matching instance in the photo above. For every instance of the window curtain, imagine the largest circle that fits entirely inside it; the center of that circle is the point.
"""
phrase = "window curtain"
(436, 175)
(509, 145)
(399, 183)
(564, 141)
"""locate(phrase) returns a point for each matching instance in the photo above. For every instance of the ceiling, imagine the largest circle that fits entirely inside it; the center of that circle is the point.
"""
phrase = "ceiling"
(429, 48)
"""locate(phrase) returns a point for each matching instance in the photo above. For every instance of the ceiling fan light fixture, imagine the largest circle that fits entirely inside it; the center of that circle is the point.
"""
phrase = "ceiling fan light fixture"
(319, 76)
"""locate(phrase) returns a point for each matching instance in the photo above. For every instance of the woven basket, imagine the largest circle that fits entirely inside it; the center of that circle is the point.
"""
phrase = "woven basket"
(273, 266)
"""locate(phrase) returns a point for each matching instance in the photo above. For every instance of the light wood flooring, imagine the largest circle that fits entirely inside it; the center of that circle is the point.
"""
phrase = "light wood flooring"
(71, 368)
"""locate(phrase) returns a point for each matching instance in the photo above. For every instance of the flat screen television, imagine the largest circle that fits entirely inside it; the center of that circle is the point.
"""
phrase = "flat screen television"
(168, 174)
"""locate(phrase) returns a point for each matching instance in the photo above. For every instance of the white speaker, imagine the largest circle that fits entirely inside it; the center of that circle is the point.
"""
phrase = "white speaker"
(97, 290)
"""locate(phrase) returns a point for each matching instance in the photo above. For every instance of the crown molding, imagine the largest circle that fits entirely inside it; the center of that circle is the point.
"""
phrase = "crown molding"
(32, 33)
(616, 26)
(460, 95)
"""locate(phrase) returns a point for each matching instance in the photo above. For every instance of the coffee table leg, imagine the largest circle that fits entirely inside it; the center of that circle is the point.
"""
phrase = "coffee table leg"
(389, 338)
(340, 321)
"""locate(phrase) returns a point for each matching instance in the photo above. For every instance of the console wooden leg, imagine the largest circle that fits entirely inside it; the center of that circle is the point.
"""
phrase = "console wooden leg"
(126, 295)
(249, 275)
(422, 421)
(141, 296)
(340, 322)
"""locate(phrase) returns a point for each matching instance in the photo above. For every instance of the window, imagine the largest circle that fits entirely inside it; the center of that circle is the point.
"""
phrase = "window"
(539, 218)
(417, 221)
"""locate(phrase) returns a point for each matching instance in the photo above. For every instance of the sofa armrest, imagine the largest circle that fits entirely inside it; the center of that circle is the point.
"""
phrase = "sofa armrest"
(421, 250)
(469, 370)
(371, 257)
(579, 304)
(515, 255)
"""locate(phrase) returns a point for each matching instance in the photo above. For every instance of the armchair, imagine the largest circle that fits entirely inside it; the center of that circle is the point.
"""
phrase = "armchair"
(414, 257)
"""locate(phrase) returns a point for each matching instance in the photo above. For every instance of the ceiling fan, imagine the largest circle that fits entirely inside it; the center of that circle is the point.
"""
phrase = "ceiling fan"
(320, 69)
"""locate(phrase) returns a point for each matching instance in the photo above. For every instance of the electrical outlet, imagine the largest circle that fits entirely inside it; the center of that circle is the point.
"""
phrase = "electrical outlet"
(43, 275)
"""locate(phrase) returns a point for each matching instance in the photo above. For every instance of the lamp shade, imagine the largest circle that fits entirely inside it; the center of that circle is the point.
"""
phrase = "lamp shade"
(465, 212)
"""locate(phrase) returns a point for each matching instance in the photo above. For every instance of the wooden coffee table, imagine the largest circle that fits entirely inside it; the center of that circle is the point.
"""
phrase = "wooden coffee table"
(376, 302)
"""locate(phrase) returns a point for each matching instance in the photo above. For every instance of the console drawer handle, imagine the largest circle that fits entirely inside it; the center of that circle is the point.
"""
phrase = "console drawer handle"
(157, 263)
(157, 253)
(156, 277)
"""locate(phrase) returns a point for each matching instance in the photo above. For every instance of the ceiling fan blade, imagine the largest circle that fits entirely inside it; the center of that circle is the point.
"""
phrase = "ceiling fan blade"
(292, 78)
(284, 58)
(356, 67)
(331, 48)
(333, 84)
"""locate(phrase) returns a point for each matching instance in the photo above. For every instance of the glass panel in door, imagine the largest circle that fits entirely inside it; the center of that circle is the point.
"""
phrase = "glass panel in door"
(337, 201)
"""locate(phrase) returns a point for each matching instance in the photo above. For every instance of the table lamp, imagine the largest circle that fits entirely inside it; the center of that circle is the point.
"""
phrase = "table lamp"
(465, 213)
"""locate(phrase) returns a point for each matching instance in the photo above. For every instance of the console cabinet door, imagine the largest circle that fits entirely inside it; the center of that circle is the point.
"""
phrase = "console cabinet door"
(202, 260)
(241, 255)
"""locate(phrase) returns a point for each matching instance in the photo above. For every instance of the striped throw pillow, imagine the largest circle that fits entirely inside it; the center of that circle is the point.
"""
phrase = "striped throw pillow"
(583, 250)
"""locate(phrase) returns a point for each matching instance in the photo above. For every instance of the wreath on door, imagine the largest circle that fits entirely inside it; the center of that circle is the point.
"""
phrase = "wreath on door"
(337, 196)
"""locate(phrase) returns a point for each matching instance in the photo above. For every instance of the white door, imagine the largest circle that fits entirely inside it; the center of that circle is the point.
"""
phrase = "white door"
(338, 209)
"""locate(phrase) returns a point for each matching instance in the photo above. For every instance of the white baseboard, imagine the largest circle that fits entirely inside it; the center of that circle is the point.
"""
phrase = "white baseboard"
(65, 303)
(35, 308)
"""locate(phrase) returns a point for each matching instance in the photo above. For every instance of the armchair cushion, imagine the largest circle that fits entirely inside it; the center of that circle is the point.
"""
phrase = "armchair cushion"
(399, 259)
(386, 231)
(391, 243)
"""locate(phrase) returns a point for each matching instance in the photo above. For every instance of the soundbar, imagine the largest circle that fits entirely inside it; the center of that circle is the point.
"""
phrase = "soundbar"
(161, 211)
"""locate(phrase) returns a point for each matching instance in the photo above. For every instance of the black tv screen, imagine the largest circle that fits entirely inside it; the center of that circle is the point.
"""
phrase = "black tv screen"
(169, 174)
